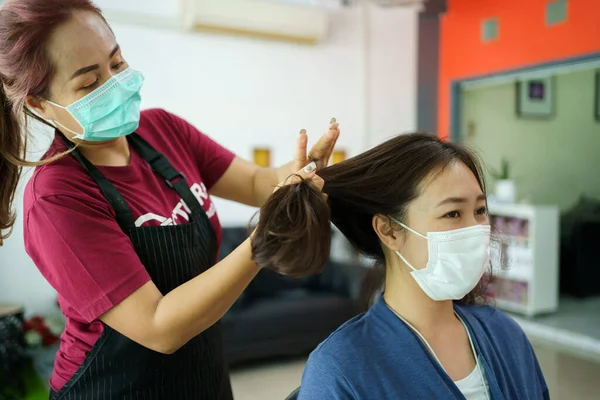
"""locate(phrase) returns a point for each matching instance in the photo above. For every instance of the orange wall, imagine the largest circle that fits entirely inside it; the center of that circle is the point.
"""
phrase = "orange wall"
(524, 39)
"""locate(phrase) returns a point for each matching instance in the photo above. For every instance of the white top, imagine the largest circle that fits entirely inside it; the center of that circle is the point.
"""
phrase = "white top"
(474, 386)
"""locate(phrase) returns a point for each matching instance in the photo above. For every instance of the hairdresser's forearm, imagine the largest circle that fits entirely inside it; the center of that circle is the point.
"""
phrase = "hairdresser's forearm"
(196, 305)
(265, 180)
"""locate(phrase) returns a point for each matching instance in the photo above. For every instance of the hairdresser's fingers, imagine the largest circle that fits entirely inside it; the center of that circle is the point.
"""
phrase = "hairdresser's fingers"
(318, 182)
(300, 159)
(321, 151)
(307, 172)
(337, 135)
(324, 147)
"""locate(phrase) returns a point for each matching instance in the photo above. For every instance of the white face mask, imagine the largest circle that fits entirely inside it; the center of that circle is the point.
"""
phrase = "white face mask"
(457, 261)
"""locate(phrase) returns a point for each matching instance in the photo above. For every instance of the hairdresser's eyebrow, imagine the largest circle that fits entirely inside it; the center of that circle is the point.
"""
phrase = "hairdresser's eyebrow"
(94, 67)
(84, 70)
(115, 50)
(458, 200)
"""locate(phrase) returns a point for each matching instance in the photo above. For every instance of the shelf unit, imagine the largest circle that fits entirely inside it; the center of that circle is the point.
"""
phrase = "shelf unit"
(529, 241)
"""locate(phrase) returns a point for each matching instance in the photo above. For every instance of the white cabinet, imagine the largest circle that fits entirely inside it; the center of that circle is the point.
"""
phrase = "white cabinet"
(528, 239)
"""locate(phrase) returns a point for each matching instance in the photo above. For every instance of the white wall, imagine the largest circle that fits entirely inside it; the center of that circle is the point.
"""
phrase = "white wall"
(247, 93)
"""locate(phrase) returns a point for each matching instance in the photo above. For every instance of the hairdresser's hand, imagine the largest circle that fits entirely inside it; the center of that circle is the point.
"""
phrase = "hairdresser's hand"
(309, 172)
(320, 152)
(306, 165)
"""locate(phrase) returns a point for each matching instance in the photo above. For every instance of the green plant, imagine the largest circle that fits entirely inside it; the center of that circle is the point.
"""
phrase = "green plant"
(503, 173)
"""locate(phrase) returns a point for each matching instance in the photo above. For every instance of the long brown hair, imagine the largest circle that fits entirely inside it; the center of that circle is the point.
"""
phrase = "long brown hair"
(25, 70)
(293, 234)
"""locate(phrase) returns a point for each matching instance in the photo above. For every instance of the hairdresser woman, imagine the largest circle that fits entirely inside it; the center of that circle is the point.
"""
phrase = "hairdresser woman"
(123, 226)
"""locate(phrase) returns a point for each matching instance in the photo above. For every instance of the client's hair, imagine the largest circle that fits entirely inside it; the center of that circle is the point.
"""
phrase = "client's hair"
(293, 233)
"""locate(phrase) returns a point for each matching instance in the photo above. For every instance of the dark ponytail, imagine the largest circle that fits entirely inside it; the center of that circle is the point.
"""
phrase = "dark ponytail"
(12, 148)
(293, 235)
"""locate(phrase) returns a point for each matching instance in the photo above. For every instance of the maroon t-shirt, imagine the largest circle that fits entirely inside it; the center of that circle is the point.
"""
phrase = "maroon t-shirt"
(73, 237)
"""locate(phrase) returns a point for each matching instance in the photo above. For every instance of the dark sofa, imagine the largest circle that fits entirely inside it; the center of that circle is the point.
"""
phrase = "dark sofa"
(281, 316)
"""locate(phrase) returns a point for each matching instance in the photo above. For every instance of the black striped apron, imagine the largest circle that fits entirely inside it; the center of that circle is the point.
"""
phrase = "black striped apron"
(119, 368)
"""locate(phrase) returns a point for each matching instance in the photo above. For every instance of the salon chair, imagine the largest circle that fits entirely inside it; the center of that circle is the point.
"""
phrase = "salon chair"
(279, 316)
(293, 395)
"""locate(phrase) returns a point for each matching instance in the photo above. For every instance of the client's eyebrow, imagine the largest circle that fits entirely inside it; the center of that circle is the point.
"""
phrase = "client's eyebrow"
(458, 200)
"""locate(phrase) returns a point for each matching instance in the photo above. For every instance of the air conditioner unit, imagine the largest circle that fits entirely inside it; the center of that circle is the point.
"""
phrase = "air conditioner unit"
(258, 18)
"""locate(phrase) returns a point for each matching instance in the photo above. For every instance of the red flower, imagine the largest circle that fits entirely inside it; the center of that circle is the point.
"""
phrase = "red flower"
(38, 325)
(49, 339)
(27, 326)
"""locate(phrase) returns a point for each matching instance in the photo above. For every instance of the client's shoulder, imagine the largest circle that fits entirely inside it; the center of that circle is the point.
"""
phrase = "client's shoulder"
(351, 341)
(345, 337)
(490, 319)
(334, 367)
(348, 332)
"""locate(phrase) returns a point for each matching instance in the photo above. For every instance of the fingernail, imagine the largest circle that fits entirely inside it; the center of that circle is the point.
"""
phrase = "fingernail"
(302, 131)
(333, 120)
(310, 167)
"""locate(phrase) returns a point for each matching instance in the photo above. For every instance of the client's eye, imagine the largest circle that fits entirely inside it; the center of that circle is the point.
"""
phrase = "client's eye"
(481, 211)
(118, 65)
(452, 214)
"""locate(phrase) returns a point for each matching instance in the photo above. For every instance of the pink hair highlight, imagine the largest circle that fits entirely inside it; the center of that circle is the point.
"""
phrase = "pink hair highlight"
(25, 70)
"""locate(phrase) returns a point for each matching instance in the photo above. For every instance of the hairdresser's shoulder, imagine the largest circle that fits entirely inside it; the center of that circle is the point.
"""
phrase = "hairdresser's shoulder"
(169, 133)
(158, 123)
(61, 177)
(153, 116)
(62, 180)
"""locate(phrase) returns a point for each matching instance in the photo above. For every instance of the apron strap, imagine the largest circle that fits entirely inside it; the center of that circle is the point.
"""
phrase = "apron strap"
(161, 165)
(112, 195)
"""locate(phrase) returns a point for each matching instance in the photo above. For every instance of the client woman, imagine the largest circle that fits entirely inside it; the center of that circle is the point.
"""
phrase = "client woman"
(417, 206)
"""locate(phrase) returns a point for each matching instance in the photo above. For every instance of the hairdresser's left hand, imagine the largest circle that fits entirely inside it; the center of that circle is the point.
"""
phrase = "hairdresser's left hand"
(320, 152)
(308, 173)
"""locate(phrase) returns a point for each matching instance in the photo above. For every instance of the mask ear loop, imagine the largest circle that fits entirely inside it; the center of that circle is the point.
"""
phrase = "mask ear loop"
(410, 230)
(407, 228)
(78, 136)
(405, 261)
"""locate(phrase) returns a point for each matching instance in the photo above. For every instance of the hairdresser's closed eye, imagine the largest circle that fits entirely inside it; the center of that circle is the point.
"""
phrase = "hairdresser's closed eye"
(118, 65)
(90, 86)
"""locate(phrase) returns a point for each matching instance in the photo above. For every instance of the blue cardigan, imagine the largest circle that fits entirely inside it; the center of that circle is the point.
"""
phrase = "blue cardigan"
(375, 356)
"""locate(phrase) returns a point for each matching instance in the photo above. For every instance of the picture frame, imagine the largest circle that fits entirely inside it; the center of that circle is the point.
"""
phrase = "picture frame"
(535, 98)
(338, 156)
(262, 156)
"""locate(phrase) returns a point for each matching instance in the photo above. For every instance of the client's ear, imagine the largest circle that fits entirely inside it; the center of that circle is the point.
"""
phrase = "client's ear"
(388, 231)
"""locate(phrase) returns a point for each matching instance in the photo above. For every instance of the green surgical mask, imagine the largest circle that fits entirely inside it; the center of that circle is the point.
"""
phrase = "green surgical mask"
(109, 112)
